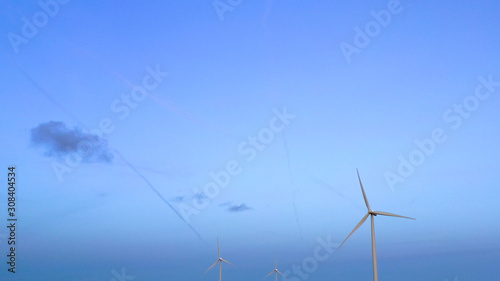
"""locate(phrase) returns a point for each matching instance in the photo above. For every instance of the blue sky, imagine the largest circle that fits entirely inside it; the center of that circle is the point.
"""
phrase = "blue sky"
(117, 116)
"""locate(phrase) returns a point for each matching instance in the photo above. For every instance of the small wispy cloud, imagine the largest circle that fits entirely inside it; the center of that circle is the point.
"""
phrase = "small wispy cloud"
(225, 204)
(200, 196)
(102, 194)
(178, 199)
(235, 208)
(59, 141)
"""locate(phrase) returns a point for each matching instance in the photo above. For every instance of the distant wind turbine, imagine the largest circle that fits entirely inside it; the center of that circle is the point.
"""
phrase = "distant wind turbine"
(220, 260)
(276, 271)
(371, 214)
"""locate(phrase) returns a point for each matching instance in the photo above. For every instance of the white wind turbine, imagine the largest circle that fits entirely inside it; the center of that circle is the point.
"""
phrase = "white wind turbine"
(220, 260)
(275, 270)
(371, 214)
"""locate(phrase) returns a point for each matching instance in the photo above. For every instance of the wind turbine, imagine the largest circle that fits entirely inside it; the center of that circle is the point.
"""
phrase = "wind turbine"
(371, 214)
(275, 270)
(220, 260)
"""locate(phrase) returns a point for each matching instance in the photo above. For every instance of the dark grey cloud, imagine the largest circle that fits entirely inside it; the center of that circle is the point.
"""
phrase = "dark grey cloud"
(238, 208)
(59, 141)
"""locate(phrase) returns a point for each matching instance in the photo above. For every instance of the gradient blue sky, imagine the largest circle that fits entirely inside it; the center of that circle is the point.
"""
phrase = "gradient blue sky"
(226, 78)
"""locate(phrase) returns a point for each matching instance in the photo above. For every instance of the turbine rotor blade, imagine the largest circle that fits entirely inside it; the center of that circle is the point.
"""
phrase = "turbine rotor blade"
(281, 274)
(227, 262)
(362, 189)
(211, 266)
(269, 274)
(391, 215)
(218, 249)
(357, 226)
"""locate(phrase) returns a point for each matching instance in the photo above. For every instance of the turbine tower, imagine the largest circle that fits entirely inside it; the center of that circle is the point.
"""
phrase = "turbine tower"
(220, 260)
(371, 214)
(275, 270)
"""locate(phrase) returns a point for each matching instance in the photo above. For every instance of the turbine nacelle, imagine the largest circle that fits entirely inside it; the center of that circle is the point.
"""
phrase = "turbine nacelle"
(276, 271)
